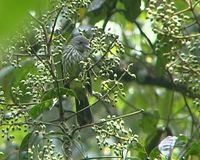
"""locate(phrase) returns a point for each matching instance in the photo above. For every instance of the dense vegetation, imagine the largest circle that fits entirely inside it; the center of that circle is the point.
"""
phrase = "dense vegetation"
(145, 74)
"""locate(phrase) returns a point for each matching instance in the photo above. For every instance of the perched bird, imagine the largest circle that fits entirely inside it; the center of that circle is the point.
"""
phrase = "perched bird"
(77, 50)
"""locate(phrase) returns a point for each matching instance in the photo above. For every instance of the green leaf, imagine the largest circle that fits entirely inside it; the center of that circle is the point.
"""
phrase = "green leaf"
(137, 149)
(23, 150)
(182, 140)
(40, 108)
(97, 15)
(155, 154)
(3, 156)
(53, 93)
(153, 139)
(96, 4)
(194, 149)
(100, 12)
(150, 118)
(132, 9)
(160, 65)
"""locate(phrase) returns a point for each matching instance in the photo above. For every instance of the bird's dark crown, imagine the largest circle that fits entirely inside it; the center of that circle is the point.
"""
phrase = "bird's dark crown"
(80, 42)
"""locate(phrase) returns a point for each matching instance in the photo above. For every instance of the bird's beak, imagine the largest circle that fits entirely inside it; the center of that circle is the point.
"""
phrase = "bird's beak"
(87, 46)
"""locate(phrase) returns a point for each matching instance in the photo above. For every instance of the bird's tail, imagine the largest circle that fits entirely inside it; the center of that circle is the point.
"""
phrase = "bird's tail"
(85, 116)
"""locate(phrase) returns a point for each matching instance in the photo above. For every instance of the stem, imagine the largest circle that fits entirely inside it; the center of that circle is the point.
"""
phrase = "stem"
(142, 33)
(17, 104)
(50, 63)
(107, 157)
(193, 13)
(113, 118)
(180, 37)
(52, 66)
(171, 100)
(53, 28)
(43, 27)
(110, 12)
(191, 114)
(184, 150)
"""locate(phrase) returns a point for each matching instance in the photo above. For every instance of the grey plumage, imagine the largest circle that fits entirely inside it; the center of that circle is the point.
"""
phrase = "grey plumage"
(71, 60)
(74, 52)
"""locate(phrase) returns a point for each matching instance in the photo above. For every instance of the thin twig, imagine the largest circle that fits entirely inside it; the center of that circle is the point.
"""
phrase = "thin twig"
(43, 27)
(171, 101)
(30, 55)
(108, 157)
(180, 36)
(110, 13)
(52, 67)
(191, 115)
(101, 122)
(128, 103)
(142, 33)
(53, 28)
(16, 104)
(50, 62)
(184, 150)
(193, 13)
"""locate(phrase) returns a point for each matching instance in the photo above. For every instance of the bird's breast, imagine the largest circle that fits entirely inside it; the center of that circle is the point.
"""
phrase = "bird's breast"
(71, 62)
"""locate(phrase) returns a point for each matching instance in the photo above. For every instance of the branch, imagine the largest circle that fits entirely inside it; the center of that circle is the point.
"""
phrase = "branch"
(107, 157)
(191, 115)
(109, 13)
(53, 28)
(50, 63)
(43, 27)
(150, 78)
(101, 122)
(184, 150)
(145, 36)
(193, 13)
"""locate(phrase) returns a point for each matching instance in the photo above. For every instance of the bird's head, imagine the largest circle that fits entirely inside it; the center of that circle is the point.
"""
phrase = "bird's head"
(80, 43)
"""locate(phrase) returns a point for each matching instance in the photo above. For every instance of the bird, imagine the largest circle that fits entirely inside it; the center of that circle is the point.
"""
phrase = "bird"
(76, 51)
